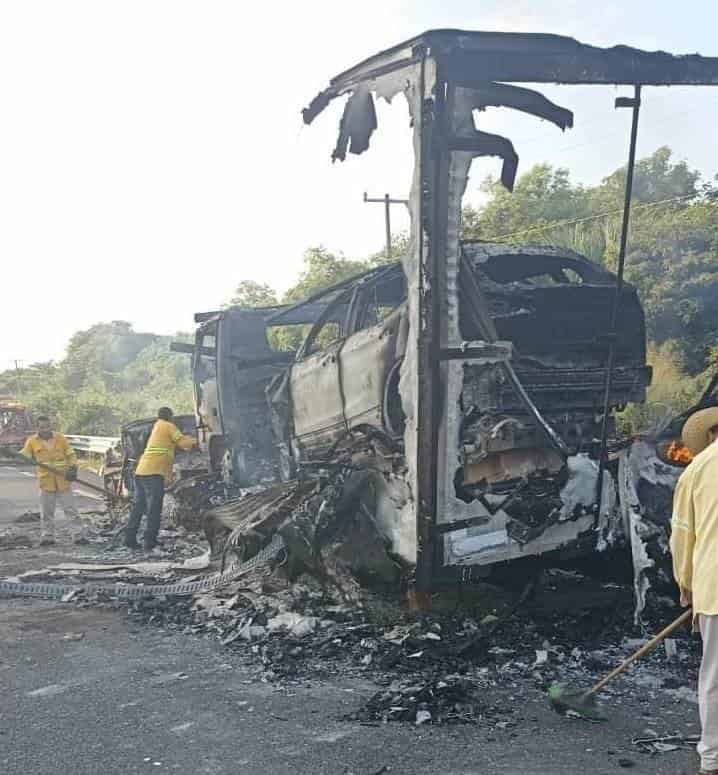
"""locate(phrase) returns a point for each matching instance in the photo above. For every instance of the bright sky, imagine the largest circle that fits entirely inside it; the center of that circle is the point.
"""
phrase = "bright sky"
(152, 153)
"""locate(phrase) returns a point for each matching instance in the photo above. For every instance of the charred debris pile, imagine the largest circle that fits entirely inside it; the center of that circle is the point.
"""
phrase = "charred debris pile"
(312, 590)
(334, 600)
(457, 664)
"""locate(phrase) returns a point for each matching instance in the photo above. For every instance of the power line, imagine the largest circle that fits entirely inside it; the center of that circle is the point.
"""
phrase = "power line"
(573, 221)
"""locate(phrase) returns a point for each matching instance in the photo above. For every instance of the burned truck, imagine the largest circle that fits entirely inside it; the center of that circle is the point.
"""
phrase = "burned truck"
(528, 411)
(467, 379)
(16, 423)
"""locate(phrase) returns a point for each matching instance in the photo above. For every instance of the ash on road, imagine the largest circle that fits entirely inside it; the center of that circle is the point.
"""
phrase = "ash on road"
(86, 690)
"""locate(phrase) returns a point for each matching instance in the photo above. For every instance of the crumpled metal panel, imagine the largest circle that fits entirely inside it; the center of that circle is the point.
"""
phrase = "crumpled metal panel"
(366, 359)
(317, 407)
(258, 514)
(475, 56)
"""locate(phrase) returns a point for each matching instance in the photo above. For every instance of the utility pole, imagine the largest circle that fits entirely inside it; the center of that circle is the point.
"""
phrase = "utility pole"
(19, 377)
(388, 202)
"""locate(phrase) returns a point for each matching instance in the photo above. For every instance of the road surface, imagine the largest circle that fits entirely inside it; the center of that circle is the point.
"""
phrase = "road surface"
(87, 691)
(19, 494)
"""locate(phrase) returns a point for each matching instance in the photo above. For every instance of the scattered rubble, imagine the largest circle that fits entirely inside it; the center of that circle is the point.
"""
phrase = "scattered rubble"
(27, 517)
(436, 668)
(331, 602)
(653, 744)
(12, 540)
(451, 700)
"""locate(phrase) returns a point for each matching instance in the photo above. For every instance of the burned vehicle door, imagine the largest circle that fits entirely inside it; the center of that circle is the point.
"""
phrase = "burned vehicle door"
(246, 364)
(315, 381)
(370, 357)
(204, 369)
(346, 372)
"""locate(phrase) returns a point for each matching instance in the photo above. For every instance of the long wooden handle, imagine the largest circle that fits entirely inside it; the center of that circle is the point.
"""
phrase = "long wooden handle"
(652, 643)
(57, 472)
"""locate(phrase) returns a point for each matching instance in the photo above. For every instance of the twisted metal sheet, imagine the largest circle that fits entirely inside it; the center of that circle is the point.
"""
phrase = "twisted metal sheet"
(128, 591)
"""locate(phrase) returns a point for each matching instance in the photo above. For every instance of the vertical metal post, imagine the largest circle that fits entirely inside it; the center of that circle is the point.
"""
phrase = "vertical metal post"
(432, 289)
(635, 104)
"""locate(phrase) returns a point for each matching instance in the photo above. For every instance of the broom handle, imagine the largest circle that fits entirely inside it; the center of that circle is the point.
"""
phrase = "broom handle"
(652, 643)
(56, 471)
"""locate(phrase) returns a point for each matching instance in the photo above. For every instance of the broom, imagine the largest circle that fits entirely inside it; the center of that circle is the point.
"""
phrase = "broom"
(563, 698)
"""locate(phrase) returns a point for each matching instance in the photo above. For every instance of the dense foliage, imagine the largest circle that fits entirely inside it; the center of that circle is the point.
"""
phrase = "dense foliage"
(110, 375)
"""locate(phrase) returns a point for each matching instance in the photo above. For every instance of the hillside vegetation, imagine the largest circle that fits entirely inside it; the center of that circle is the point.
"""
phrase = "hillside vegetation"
(112, 374)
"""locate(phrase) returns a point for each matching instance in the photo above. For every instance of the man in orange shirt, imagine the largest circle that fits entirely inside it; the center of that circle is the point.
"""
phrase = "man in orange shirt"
(152, 475)
(53, 449)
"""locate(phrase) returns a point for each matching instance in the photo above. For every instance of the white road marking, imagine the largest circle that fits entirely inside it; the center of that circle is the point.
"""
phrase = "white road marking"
(182, 727)
(47, 691)
(11, 473)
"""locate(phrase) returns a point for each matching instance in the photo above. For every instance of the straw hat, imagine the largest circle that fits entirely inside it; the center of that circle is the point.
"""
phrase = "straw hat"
(695, 430)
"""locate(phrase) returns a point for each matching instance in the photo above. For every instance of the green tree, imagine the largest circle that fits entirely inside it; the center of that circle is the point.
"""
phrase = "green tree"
(102, 351)
(111, 375)
(253, 294)
(321, 269)
(541, 196)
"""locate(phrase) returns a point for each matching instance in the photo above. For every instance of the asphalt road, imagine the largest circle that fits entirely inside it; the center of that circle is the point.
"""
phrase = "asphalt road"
(19, 494)
(86, 691)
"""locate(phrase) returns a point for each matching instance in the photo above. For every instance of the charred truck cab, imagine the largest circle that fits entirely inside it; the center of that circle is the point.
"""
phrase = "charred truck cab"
(232, 363)
(476, 369)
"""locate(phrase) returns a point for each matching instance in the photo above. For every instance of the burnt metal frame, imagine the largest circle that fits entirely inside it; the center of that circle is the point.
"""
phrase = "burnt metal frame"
(472, 59)
(437, 142)
(635, 104)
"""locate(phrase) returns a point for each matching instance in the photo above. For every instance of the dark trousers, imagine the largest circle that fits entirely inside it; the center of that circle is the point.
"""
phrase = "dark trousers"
(149, 494)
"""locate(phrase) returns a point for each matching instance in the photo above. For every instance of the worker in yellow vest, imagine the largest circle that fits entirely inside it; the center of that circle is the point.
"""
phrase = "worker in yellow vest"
(694, 544)
(152, 475)
(53, 449)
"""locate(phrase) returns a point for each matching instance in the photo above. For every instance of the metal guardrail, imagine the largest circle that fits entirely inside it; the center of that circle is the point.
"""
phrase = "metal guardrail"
(95, 444)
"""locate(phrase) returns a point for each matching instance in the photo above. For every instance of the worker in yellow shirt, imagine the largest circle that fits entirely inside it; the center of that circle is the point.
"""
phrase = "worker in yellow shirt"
(152, 475)
(53, 449)
(694, 545)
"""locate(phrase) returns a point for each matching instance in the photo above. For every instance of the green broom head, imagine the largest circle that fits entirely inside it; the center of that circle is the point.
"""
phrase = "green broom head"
(568, 701)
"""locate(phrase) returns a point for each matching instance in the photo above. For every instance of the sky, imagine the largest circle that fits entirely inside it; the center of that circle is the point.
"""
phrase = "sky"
(152, 153)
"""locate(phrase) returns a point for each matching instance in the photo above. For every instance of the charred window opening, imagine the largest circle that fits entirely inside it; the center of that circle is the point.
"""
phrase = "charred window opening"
(380, 299)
